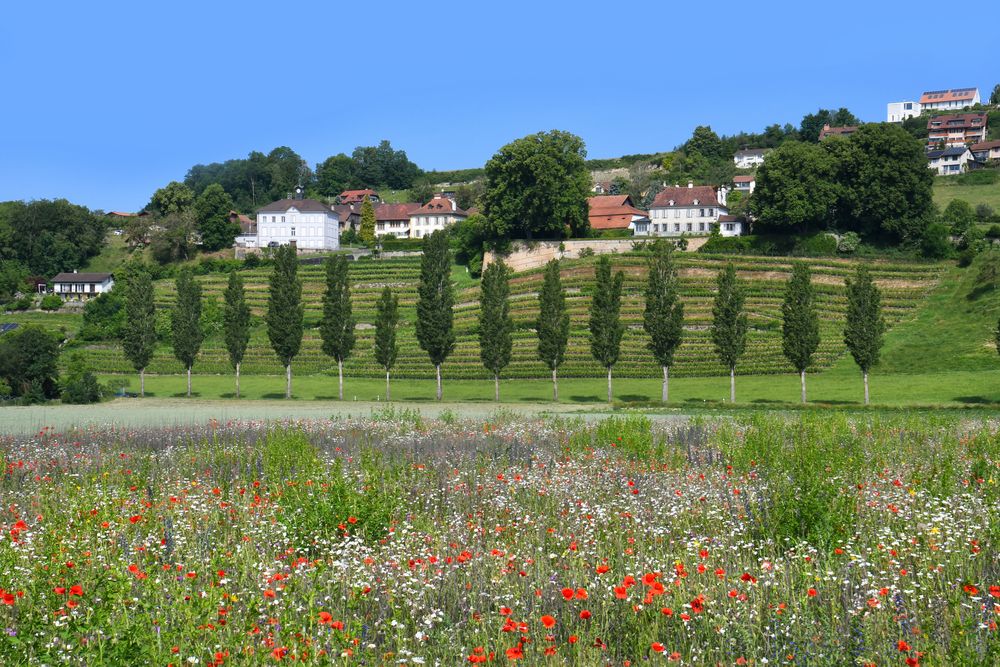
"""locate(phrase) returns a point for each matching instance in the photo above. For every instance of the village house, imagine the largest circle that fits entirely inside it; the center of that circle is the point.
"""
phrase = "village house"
(750, 158)
(897, 112)
(82, 286)
(691, 210)
(358, 196)
(611, 212)
(349, 215)
(745, 184)
(394, 219)
(436, 214)
(957, 130)
(304, 223)
(948, 161)
(247, 238)
(732, 225)
(986, 151)
(843, 131)
(956, 98)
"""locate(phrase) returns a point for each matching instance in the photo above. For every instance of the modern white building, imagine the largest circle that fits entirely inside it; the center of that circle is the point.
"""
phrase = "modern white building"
(436, 214)
(82, 286)
(750, 158)
(956, 98)
(309, 224)
(897, 112)
(949, 161)
(687, 210)
(745, 184)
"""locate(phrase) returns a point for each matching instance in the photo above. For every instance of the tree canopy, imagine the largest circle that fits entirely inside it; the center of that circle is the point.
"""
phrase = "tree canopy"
(285, 310)
(212, 209)
(435, 300)
(29, 363)
(537, 186)
(47, 237)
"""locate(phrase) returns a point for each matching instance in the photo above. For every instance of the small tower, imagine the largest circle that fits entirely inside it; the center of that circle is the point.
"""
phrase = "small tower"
(298, 192)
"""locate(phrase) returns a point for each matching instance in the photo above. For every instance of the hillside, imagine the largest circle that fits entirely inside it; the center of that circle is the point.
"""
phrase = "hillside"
(904, 287)
(975, 187)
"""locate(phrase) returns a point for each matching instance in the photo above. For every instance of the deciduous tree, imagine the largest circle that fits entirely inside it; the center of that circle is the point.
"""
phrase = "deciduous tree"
(553, 323)
(29, 363)
(285, 311)
(729, 323)
(799, 322)
(337, 326)
(606, 327)
(186, 322)
(386, 319)
(495, 324)
(663, 318)
(865, 325)
(367, 230)
(236, 323)
(435, 299)
(139, 332)
(212, 217)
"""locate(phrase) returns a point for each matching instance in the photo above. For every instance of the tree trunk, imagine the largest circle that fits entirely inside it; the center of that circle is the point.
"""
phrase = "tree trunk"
(496, 387)
(609, 385)
(340, 380)
(555, 386)
(387, 386)
(666, 380)
(438, 370)
(732, 384)
(142, 382)
(288, 380)
(803, 373)
(189, 382)
(865, 373)
(237, 380)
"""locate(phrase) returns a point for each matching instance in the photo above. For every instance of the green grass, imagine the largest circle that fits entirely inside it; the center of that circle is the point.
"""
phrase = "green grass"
(114, 253)
(947, 188)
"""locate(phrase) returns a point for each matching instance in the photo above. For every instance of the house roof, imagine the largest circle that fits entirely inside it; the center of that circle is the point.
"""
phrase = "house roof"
(842, 131)
(385, 212)
(743, 179)
(121, 214)
(958, 120)
(612, 212)
(439, 205)
(947, 152)
(683, 196)
(747, 152)
(731, 218)
(82, 277)
(345, 211)
(306, 205)
(355, 196)
(986, 146)
(953, 95)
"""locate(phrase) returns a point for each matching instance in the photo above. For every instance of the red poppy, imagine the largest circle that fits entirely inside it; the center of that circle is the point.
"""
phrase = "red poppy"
(658, 647)
(548, 621)
(567, 593)
(903, 646)
(621, 592)
(325, 617)
(811, 592)
(585, 615)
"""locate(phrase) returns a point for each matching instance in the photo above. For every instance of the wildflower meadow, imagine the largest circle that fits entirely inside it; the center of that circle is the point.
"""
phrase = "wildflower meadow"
(393, 539)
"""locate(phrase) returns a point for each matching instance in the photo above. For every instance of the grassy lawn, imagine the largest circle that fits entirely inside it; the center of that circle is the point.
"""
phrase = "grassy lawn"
(114, 253)
(837, 387)
(946, 189)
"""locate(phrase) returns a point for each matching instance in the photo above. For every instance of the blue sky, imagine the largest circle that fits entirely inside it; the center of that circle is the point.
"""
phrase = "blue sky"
(106, 101)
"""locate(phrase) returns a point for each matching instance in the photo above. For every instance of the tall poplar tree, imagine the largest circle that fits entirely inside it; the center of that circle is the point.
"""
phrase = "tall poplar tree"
(435, 299)
(139, 330)
(367, 230)
(386, 319)
(799, 322)
(186, 322)
(663, 319)
(606, 328)
(236, 323)
(729, 323)
(865, 324)
(285, 310)
(337, 327)
(553, 323)
(495, 325)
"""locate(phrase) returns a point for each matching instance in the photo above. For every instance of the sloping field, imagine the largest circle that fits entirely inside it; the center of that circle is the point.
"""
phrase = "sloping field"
(904, 286)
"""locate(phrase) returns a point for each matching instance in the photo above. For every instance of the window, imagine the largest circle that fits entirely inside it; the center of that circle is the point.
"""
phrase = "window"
(690, 213)
(701, 213)
(293, 231)
(701, 226)
(282, 218)
(677, 226)
(711, 212)
(689, 226)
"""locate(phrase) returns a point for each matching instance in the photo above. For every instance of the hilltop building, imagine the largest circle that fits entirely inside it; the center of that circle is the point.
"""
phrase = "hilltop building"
(956, 98)
(305, 223)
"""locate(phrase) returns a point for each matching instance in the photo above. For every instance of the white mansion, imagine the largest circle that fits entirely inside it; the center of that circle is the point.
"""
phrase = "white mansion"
(695, 209)
(309, 224)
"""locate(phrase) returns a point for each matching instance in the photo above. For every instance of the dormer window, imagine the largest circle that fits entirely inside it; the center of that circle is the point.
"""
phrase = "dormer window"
(695, 202)
(670, 203)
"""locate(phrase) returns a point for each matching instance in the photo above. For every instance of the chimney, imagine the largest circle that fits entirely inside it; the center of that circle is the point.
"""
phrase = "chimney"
(690, 184)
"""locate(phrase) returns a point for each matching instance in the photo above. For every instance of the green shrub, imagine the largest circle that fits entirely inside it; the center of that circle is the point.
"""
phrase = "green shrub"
(24, 303)
(848, 243)
(936, 243)
(993, 233)
(103, 317)
(51, 302)
(79, 384)
(817, 245)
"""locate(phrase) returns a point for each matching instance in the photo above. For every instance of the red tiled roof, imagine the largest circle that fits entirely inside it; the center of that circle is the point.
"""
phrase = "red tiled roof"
(120, 214)
(345, 211)
(612, 211)
(439, 205)
(355, 196)
(387, 212)
(986, 146)
(957, 121)
(743, 179)
(842, 131)
(954, 95)
(684, 196)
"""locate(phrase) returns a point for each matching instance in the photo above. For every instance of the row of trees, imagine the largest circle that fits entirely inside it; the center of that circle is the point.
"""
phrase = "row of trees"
(663, 318)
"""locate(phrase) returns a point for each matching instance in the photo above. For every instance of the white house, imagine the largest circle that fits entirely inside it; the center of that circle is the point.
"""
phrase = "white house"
(897, 112)
(82, 286)
(950, 161)
(956, 98)
(394, 219)
(731, 225)
(309, 224)
(745, 184)
(691, 210)
(750, 158)
(436, 214)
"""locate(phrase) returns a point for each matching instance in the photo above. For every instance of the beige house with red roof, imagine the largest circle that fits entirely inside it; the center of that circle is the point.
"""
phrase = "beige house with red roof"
(694, 209)
(394, 219)
(436, 214)
(956, 98)
(609, 212)
(986, 151)
(358, 196)
(959, 129)
(842, 131)
(745, 184)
